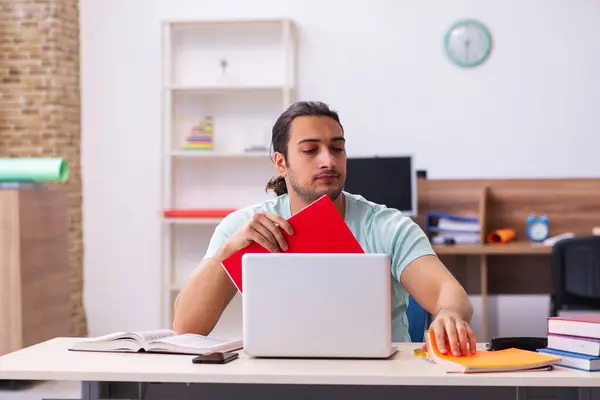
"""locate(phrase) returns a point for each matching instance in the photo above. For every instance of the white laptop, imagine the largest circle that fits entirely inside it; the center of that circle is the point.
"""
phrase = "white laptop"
(317, 305)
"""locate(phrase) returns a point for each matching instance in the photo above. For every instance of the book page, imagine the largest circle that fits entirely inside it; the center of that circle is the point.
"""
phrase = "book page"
(191, 340)
(150, 336)
(107, 338)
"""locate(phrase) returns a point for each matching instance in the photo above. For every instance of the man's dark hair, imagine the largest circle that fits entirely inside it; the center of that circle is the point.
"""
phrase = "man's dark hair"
(281, 133)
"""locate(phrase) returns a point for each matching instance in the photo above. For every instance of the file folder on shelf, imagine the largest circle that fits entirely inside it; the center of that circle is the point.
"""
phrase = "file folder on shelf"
(437, 221)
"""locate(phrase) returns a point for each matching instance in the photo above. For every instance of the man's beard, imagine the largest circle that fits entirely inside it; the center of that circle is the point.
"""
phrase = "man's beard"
(310, 195)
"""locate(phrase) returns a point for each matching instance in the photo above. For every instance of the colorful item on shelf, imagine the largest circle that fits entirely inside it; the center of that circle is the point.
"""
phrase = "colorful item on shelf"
(201, 136)
(501, 236)
(538, 228)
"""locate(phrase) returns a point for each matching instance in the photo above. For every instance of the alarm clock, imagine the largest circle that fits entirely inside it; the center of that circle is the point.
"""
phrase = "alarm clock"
(538, 228)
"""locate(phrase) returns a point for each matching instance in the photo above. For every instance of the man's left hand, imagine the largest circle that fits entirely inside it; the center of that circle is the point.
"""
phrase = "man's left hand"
(450, 330)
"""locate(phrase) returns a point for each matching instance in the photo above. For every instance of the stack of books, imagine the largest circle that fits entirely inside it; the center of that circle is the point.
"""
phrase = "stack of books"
(201, 136)
(576, 340)
(452, 229)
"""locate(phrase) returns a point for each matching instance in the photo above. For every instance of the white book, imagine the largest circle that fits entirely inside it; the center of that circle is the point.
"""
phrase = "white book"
(455, 237)
(459, 226)
(158, 341)
(574, 344)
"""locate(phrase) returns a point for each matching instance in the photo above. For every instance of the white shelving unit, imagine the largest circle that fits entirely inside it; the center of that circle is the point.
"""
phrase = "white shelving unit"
(242, 73)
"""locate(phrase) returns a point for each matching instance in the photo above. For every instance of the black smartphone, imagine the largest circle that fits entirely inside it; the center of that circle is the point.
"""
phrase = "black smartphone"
(215, 358)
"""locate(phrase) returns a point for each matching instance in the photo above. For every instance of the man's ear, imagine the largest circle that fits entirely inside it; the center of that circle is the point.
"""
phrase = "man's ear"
(279, 161)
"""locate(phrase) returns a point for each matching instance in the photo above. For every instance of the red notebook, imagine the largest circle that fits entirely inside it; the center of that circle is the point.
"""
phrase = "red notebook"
(318, 228)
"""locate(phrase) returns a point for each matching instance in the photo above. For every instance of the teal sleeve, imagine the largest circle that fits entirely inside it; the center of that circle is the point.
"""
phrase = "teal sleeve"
(226, 228)
(216, 242)
(407, 241)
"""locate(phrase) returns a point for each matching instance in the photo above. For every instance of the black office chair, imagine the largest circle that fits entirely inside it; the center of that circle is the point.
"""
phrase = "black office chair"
(576, 274)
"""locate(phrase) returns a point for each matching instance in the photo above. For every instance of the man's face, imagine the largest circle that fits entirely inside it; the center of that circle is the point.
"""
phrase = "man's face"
(316, 161)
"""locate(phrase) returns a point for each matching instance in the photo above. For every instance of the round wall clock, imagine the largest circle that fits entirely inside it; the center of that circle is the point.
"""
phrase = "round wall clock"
(468, 43)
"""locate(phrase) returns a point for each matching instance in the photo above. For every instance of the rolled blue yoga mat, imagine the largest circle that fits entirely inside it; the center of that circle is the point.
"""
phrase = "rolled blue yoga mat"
(33, 170)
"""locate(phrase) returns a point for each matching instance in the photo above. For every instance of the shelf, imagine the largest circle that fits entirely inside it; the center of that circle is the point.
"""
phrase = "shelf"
(241, 54)
(241, 119)
(224, 89)
(224, 82)
(516, 248)
(217, 154)
(193, 221)
(222, 22)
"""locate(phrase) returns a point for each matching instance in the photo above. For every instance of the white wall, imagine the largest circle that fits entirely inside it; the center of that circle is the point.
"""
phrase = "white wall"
(530, 111)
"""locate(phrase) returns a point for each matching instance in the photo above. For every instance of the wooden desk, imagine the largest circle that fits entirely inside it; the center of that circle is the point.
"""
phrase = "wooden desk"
(162, 375)
(520, 267)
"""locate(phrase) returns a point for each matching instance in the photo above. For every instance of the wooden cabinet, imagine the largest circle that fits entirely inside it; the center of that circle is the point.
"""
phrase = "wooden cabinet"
(520, 267)
(34, 267)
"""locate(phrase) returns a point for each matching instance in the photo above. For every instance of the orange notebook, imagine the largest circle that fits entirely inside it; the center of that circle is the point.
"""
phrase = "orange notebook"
(488, 361)
(318, 228)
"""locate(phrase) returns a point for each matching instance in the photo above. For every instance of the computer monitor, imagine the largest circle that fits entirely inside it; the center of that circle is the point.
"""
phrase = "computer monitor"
(388, 180)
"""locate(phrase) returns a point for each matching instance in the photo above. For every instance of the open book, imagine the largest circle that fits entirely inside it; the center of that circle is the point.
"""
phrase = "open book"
(159, 341)
(488, 361)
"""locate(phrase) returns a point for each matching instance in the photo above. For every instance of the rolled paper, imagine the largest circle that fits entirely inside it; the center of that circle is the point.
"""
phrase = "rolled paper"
(33, 170)
(501, 236)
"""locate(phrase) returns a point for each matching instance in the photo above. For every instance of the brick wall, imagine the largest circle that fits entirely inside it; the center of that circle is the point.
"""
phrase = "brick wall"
(40, 103)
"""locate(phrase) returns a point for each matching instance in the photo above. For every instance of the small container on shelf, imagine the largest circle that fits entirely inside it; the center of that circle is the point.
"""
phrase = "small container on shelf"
(257, 138)
(201, 135)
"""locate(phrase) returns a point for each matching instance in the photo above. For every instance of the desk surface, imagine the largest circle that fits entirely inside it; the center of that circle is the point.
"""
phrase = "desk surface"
(52, 361)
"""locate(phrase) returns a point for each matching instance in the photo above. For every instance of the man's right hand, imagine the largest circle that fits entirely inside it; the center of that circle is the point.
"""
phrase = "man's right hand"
(263, 228)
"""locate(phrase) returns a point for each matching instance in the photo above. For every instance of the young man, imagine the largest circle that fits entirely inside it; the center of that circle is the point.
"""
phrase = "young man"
(310, 156)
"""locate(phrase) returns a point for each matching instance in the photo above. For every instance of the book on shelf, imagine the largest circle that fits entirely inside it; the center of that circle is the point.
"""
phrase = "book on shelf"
(576, 339)
(156, 341)
(318, 228)
(507, 360)
(201, 135)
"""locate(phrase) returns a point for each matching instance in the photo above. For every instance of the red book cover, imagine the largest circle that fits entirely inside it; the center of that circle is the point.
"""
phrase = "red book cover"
(318, 228)
(591, 318)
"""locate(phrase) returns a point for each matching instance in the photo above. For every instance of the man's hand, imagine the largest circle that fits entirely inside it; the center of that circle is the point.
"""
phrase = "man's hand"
(262, 228)
(450, 330)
